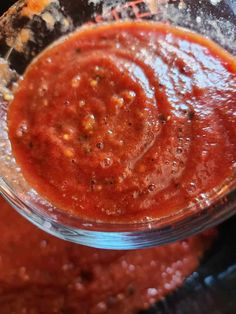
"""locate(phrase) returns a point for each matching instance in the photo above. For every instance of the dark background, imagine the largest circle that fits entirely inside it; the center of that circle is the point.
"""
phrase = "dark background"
(4, 4)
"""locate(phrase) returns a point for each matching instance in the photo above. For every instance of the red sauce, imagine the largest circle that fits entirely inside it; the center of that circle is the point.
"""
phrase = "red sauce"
(127, 121)
(42, 274)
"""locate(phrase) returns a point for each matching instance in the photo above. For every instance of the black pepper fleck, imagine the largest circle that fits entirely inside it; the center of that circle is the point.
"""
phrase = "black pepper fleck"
(130, 290)
(30, 145)
(99, 145)
(191, 114)
(162, 119)
(86, 276)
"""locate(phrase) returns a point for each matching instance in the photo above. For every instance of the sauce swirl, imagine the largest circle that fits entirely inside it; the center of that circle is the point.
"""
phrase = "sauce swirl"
(127, 121)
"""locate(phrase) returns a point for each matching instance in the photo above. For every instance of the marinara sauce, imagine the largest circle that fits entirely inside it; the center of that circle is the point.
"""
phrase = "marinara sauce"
(127, 121)
(42, 274)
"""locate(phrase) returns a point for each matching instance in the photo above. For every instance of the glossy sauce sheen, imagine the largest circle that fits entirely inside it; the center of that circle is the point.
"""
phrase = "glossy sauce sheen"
(127, 122)
(42, 274)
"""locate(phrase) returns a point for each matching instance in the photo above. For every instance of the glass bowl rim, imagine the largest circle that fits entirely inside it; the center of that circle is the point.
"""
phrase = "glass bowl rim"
(128, 236)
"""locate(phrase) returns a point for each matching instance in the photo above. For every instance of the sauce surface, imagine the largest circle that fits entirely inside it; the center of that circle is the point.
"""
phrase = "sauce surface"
(126, 122)
(42, 274)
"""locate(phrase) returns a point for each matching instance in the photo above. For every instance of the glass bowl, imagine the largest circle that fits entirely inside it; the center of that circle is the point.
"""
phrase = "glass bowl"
(25, 30)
